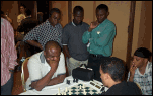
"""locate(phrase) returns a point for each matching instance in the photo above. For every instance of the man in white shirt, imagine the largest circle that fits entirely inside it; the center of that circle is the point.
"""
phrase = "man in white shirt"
(141, 70)
(46, 68)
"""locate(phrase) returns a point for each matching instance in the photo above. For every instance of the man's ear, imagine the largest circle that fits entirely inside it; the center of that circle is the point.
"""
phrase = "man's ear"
(145, 60)
(107, 13)
(107, 76)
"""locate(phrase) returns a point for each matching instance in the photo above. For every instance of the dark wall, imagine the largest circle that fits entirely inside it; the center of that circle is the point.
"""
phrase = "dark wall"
(43, 6)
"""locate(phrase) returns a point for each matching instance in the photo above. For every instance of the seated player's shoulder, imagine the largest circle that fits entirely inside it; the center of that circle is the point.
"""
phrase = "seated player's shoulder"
(150, 64)
(35, 57)
(62, 55)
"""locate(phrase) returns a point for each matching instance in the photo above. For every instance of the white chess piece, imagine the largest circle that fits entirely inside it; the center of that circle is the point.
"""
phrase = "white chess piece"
(80, 86)
(59, 91)
(65, 93)
(66, 89)
(84, 92)
(83, 86)
(70, 92)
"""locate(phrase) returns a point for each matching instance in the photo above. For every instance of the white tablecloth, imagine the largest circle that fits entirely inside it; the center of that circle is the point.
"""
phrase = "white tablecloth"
(52, 90)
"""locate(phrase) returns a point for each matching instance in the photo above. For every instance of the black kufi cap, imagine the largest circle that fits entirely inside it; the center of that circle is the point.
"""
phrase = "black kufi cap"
(142, 52)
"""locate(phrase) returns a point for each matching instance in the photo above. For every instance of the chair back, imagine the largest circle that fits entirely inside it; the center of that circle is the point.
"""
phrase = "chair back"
(24, 73)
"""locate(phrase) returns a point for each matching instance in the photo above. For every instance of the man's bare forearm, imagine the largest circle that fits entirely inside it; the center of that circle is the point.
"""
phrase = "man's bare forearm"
(58, 79)
(131, 78)
(34, 43)
(40, 84)
(65, 48)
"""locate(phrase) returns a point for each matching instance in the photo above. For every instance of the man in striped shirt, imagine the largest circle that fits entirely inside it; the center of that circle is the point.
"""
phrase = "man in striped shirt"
(8, 57)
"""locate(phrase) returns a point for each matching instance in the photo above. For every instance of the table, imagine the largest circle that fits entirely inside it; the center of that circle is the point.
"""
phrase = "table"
(52, 90)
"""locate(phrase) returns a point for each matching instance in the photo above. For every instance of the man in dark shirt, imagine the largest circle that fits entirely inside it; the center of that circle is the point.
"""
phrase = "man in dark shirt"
(75, 49)
(112, 71)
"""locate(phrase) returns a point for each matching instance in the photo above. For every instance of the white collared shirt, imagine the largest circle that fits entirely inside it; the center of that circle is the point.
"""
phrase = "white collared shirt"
(38, 68)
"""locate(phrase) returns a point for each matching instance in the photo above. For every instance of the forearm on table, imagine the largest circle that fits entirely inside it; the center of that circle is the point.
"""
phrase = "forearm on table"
(58, 79)
(34, 43)
(40, 84)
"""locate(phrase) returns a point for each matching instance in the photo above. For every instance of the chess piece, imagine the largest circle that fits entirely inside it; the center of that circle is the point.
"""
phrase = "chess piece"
(65, 93)
(83, 86)
(59, 91)
(70, 92)
(66, 89)
(73, 80)
(102, 89)
(80, 86)
(84, 92)
(77, 80)
(68, 81)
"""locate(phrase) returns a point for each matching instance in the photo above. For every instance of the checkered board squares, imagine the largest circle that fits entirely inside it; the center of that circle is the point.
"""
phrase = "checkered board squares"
(75, 90)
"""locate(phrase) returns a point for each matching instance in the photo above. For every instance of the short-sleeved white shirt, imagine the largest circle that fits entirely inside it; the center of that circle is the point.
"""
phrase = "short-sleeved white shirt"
(38, 68)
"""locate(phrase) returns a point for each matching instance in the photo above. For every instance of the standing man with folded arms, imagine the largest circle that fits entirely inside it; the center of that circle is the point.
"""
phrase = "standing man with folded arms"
(99, 38)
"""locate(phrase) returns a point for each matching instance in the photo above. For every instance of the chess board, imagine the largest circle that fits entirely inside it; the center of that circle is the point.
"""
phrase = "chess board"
(75, 90)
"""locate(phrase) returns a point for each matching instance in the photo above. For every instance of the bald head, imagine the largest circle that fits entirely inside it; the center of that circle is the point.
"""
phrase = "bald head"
(52, 45)
(52, 51)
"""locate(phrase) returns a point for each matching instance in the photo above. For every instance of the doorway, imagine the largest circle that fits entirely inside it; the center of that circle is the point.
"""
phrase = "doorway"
(43, 6)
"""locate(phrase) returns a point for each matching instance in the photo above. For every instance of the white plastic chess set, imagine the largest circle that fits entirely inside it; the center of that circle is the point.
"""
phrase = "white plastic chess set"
(88, 88)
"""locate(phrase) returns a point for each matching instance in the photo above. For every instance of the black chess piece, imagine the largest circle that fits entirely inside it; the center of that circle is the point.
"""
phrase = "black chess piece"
(76, 80)
(102, 89)
(68, 82)
(73, 80)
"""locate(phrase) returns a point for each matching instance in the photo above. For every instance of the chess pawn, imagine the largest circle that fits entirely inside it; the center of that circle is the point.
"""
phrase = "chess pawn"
(84, 92)
(70, 92)
(83, 86)
(59, 91)
(80, 86)
(65, 93)
(66, 89)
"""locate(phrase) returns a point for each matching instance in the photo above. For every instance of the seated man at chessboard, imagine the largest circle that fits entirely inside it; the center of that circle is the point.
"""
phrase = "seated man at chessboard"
(112, 71)
(47, 67)
(141, 70)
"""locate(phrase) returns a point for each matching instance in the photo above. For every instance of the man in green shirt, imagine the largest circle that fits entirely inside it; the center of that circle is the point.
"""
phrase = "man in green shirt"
(99, 38)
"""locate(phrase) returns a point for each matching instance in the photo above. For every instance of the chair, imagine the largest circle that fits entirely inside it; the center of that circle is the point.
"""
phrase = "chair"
(24, 73)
